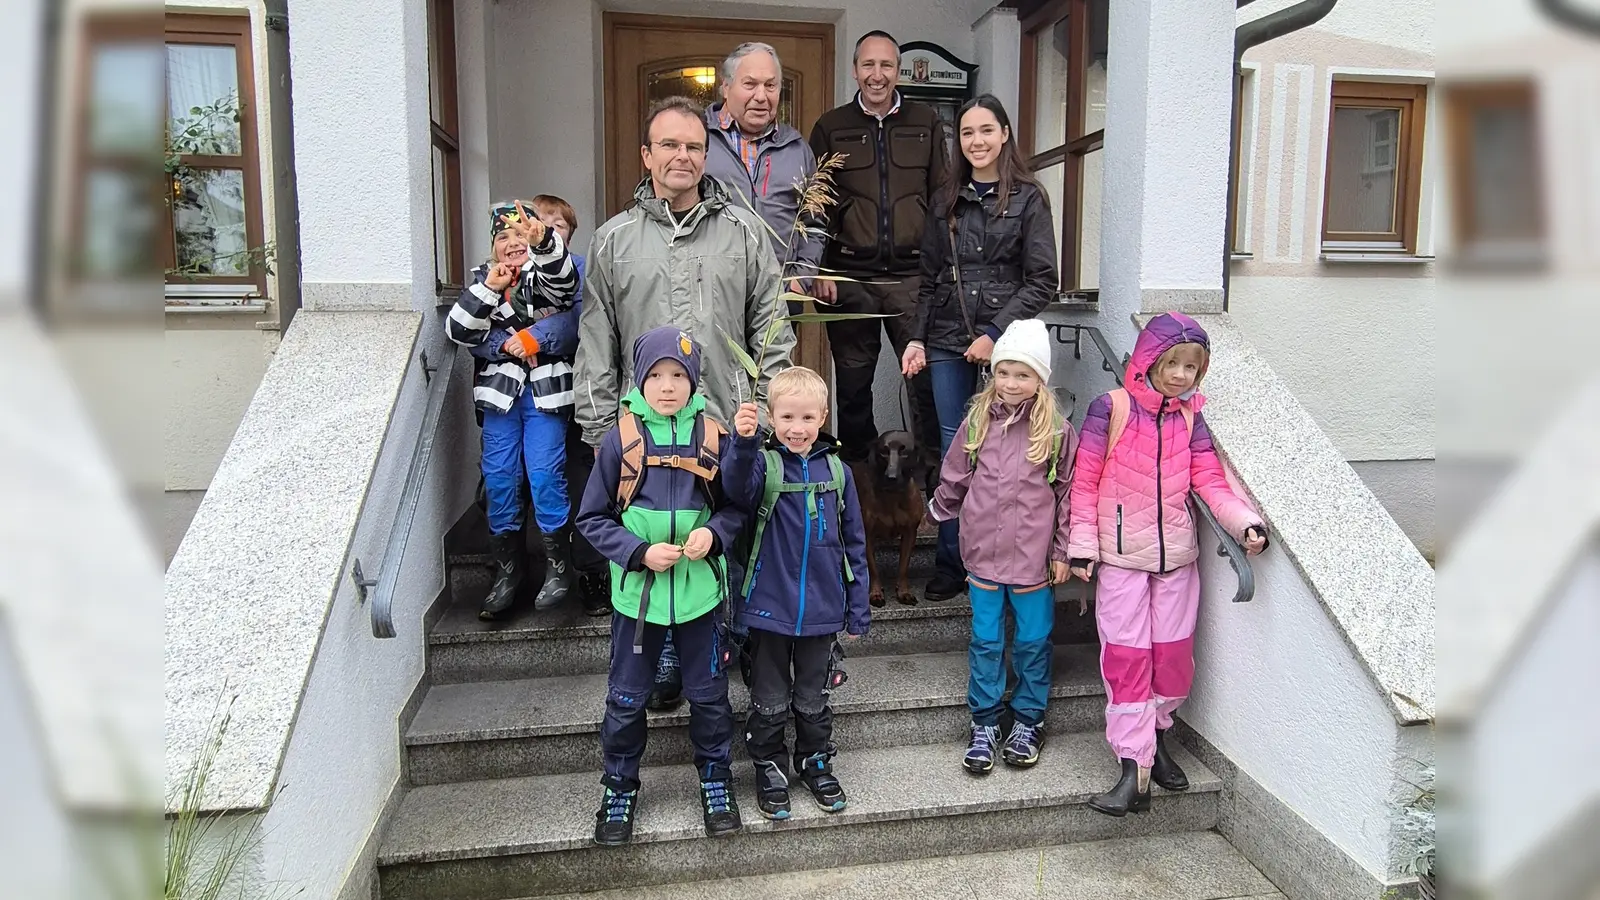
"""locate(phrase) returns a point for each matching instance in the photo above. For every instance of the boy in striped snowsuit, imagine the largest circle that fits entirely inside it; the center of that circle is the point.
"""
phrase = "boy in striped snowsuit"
(518, 319)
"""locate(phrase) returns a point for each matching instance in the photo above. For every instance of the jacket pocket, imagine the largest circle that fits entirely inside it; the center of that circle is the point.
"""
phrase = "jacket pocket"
(857, 229)
(856, 145)
(1119, 528)
(910, 215)
(910, 147)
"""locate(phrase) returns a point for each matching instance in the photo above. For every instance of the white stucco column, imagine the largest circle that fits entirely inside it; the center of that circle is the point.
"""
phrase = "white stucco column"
(995, 38)
(361, 136)
(1169, 73)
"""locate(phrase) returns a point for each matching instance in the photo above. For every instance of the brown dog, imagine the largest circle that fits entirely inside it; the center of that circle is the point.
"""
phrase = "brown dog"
(888, 483)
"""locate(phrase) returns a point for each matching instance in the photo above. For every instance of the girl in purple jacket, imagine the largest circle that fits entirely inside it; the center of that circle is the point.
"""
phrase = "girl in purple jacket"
(1007, 476)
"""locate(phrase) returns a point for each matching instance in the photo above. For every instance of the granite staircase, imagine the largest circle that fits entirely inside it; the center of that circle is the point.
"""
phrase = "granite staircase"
(503, 763)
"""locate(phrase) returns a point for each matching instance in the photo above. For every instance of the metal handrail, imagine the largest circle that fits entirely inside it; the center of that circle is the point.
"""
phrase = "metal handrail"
(1226, 545)
(438, 379)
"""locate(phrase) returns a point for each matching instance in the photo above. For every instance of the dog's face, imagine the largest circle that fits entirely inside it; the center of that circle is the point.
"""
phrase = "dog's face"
(896, 459)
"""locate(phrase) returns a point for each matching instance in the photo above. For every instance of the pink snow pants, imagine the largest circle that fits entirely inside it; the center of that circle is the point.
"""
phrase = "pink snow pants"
(1146, 652)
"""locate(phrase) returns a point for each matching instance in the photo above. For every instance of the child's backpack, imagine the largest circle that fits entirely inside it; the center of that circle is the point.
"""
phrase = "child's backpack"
(1055, 449)
(706, 439)
(1120, 401)
(776, 487)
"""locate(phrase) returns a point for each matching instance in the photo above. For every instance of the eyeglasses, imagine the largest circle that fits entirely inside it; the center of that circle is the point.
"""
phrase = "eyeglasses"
(672, 147)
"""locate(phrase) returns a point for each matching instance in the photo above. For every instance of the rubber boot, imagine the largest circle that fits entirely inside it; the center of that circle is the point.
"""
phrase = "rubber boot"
(596, 590)
(506, 548)
(557, 569)
(1125, 797)
(1165, 770)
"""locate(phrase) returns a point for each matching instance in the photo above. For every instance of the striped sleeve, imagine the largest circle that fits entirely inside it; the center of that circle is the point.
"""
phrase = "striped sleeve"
(549, 272)
(469, 319)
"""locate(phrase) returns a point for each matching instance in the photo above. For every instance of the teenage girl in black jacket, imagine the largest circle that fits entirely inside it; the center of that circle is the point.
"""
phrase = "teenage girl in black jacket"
(988, 259)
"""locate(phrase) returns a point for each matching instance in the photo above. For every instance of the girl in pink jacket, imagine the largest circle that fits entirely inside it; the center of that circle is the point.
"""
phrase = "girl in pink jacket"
(1131, 526)
(1005, 476)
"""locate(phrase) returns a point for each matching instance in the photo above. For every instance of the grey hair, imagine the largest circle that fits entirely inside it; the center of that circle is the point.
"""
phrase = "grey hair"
(731, 64)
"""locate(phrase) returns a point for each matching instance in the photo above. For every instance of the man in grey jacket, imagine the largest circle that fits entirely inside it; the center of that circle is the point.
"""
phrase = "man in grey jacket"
(684, 254)
(761, 161)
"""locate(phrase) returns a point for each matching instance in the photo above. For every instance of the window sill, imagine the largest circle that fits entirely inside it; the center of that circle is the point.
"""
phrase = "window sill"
(1077, 301)
(1380, 258)
(255, 306)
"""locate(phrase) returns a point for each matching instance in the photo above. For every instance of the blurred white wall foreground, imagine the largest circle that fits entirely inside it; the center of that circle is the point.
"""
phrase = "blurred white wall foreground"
(1519, 449)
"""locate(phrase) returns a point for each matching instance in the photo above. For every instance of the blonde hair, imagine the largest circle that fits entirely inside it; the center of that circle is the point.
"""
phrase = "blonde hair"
(1042, 426)
(798, 381)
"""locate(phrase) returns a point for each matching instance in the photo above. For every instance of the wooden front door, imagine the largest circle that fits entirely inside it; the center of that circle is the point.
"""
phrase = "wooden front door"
(648, 58)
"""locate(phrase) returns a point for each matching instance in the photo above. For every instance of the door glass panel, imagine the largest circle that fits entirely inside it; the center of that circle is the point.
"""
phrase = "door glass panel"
(699, 83)
(1362, 156)
(1050, 81)
(119, 225)
(1089, 232)
(1053, 180)
(208, 219)
(125, 97)
(1503, 182)
(203, 99)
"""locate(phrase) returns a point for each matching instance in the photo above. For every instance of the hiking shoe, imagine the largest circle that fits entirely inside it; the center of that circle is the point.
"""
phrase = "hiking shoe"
(943, 586)
(596, 590)
(1022, 747)
(980, 751)
(613, 822)
(772, 790)
(667, 692)
(719, 807)
(816, 771)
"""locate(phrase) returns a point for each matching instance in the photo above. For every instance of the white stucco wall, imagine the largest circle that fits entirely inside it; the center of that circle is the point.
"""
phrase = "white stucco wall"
(1358, 352)
(1354, 343)
(343, 759)
(362, 158)
(1260, 668)
(541, 144)
(1537, 717)
(214, 363)
(996, 36)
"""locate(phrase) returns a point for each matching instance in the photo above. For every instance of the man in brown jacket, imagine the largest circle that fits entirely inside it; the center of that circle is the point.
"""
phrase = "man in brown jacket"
(894, 157)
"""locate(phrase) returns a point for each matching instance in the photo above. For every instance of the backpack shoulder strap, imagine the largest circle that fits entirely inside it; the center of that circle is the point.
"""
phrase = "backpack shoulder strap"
(771, 489)
(1188, 418)
(972, 435)
(1057, 446)
(1119, 418)
(836, 484)
(633, 459)
(711, 435)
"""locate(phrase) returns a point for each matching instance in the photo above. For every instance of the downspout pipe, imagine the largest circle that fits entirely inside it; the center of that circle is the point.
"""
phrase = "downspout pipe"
(1251, 34)
(285, 194)
(1566, 12)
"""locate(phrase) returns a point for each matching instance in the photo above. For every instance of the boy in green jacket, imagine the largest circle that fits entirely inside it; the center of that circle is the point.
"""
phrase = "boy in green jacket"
(653, 507)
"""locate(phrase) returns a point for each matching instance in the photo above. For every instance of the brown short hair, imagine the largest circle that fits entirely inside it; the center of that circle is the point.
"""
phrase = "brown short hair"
(670, 104)
(546, 203)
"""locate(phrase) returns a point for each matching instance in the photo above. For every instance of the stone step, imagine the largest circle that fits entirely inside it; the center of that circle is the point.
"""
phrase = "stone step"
(531, 644)
(1194, 865)
(543, 726)
(525, 837)
(470, 573)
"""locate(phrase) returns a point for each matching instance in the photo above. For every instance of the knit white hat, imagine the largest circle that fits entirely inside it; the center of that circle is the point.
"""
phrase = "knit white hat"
(1026, 341)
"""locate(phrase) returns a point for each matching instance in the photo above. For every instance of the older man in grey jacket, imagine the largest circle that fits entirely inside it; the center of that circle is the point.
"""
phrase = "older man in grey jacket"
(761, 161)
